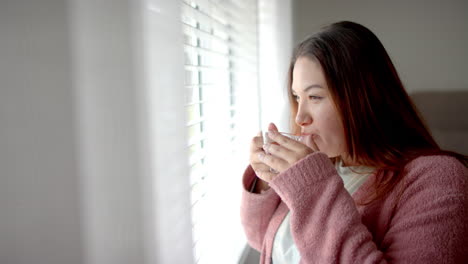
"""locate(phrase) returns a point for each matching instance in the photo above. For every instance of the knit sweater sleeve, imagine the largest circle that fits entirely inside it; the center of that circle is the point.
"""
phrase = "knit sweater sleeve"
(327, 227)
(256, 210)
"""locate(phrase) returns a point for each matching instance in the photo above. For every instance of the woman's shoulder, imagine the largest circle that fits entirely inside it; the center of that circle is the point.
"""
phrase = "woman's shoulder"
(436, 169)
(435, 162)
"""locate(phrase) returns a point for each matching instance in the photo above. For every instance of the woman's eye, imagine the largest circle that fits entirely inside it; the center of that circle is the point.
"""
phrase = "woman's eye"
(313, 97)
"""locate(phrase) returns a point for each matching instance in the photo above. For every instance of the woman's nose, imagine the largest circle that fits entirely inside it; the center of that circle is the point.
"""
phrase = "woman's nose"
(303, 118)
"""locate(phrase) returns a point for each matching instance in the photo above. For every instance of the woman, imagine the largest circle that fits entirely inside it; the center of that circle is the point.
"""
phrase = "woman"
(368, 183)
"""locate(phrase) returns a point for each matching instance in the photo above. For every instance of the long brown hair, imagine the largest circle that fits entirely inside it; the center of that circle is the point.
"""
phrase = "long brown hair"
(383, 128)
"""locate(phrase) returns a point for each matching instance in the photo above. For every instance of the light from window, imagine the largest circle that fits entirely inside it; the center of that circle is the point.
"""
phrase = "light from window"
(220, 49)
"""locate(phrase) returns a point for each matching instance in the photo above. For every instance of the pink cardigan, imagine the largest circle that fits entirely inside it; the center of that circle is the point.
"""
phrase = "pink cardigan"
(428, 224)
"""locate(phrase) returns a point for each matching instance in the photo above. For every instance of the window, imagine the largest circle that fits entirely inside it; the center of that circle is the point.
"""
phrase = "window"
(221, 83)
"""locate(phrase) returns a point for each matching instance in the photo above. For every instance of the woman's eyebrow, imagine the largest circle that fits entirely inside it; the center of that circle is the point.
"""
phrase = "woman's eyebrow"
(312, 86)
(308, 88)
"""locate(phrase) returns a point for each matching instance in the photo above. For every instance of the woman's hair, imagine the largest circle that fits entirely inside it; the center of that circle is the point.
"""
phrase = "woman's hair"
(382, 127)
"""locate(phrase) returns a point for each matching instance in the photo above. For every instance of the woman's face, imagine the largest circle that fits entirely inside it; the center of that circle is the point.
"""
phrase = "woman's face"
(316, 113)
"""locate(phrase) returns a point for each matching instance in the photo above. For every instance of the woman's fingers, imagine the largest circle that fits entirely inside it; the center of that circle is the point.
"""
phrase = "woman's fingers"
(257, 142)
(292, 144)
(279, 158)
(284, 141)
(256, 162)
(286, 148)
(279, 151)
(262, 170)
(276, 163)
(272, 127)
(266, 175)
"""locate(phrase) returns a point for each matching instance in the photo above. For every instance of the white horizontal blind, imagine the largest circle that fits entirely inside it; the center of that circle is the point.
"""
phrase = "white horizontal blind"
(220, 47)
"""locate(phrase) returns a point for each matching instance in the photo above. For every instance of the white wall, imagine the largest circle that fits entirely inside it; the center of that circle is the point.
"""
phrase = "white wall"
(69, 171)
(427, 39)
(39, 199)
(105, 86)
(77, 181)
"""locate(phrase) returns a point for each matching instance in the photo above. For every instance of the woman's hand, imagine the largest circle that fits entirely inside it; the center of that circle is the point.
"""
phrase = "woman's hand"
(282, 154)
(256, 149)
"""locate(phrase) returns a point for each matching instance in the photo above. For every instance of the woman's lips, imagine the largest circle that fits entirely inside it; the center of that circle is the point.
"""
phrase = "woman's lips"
(313, 135)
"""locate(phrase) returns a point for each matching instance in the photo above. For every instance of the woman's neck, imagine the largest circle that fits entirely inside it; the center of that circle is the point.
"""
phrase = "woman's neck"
(348, 161)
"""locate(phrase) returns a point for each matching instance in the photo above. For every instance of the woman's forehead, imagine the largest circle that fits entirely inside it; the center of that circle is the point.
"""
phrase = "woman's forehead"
(307, 73)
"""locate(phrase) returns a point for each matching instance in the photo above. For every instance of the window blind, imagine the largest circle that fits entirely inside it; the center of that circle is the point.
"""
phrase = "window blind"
(220, 49)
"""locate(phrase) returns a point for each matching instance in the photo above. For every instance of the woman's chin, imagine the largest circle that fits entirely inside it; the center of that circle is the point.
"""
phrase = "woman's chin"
(328, 152)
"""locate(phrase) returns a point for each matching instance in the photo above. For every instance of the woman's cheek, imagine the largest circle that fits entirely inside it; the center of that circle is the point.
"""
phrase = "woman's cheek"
(328, 144)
